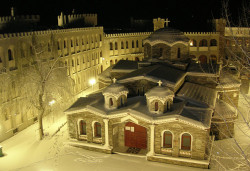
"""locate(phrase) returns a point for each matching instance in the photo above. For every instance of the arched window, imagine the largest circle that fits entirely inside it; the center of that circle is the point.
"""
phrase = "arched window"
(186, 141)
(72, 43)
(111, 46)
(193, 43)
(156, 106)
(167, 139)
(58, 45)
(10, 55)
(122, 45)
(122, 103)
(203, 43)
(213, 42)
(137, 43)
(133, 44)
(116, 46)
(82, 127)
(203, 59)
(126, 44)
(98, 129)
(110, 102)
(179, 53)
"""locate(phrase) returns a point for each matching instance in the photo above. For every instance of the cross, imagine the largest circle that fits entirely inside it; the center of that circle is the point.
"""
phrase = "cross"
(159, 82)
(114, 80)
(167, 21)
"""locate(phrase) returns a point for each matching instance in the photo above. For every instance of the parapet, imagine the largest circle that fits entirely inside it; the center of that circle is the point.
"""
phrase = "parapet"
(22, 18)
(45, 32)
(201, 33)
(128, 34)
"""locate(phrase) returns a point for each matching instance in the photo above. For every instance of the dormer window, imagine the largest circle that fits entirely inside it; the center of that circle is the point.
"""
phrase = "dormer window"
(110, 102)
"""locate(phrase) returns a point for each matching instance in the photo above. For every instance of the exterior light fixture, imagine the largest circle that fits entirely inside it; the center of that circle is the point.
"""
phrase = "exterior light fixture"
(52, 102)
(92, 82)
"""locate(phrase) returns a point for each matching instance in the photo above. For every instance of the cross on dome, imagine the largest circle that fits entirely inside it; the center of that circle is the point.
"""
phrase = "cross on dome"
(167, 21)
(114, 80)
(159, 82)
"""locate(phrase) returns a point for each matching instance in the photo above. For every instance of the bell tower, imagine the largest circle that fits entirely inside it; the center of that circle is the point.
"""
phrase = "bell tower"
(160, 23)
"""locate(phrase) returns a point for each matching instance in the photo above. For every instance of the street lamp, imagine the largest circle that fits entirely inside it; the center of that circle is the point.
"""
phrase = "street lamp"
(92, 82)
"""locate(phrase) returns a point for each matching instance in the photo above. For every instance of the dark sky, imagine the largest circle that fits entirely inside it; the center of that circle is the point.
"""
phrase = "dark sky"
(187, 15)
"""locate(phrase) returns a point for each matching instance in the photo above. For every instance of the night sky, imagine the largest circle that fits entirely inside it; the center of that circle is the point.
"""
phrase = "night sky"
(186, 15)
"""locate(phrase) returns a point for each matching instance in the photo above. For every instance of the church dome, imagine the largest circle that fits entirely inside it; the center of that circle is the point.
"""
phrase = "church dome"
(115, 88)
(167, 35)
(159, 92)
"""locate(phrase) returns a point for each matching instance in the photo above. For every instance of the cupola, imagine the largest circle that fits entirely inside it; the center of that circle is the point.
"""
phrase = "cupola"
(159, 99)
(115, 95)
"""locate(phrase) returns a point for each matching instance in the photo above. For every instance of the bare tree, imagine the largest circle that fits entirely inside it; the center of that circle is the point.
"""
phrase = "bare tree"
(45, 79)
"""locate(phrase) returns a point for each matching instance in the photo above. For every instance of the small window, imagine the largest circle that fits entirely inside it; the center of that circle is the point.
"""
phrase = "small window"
(116, 46)
(213, 42)
(77, 42)
(73, 63)
(156, 106)
(111, 46)
(82, 127)
(58, 45)
(126, 44)
(110, 102)
(193, 43)
(137, 43)
(186, 141)
(100, 37)
(78, 62)
(122, 45)
(133, 44)
(83, 60)
(10, 55)
(203, 43)
(82, 41)
(1, 60)
(65, 44)
(179, 53)
(98, 129)
(167, 139)
(49, 47)
(72, 44)
(66, 63)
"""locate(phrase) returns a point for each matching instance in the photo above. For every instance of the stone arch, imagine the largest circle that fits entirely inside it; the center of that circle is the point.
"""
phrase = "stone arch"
(193, 43)
(186, 141)
(203, 43)
(164, 141)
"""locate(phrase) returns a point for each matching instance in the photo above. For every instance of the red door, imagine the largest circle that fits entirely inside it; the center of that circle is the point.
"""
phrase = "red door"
(135, 136)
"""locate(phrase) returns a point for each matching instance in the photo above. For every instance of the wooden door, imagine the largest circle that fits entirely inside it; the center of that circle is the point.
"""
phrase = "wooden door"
(135, 136)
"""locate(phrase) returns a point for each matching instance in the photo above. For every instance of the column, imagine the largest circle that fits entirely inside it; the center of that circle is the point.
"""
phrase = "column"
(152, 142)
(106, 121)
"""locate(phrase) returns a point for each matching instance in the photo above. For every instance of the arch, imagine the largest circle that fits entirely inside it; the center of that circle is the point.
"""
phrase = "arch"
(65, 44)
(203, 59)
(111, 62)
(203, 43)
(1, 60)
(133, 44)
(213, 42)
(179, 53)
(110, 46)
(71, 42)
(137, 59)
(115, 61)
(116, 46)
(126, 44)
(10, 55)
(97, 129)
(193, 43)
(58, 45)
(186, 141)
(167, 139)
(101, 68)
(82, 127)
(111, 103)
(137, 43)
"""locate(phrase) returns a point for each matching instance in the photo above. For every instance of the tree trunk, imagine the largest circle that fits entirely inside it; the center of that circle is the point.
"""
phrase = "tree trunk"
(40, 125)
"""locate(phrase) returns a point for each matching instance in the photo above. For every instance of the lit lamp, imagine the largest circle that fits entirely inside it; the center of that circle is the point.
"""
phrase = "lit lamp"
(191, 43)
(52, 102)
(92, 82)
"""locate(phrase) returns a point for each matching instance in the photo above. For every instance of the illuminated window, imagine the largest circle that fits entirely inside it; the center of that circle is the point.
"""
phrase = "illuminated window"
(98, 129)
(186, 141)
(82, 127)
(167, 139)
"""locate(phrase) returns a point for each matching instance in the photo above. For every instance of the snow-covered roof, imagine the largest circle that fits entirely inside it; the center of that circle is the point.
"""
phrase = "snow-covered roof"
(115, 88)
(125, 65)
(159, 92)
(199, 69)
(224, 111)
(168, 75)
(137, 107)
(168, 36)
(227, 81)
(198, 93)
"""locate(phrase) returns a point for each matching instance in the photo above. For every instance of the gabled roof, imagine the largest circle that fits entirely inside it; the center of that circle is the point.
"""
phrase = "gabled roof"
(166, 74)
(125, 65)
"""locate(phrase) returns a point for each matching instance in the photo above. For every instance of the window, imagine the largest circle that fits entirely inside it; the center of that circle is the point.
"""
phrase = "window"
(76, 42)
(1, 60)
(186, 141)
(193, 43)
(78, 62)
(82, 127)
(161, 50)
(179, 53)
(213, 42)
(65, 44)
(111, 46)
(156, 106)
(98, 129)
(82, 41)
(203, 43)
(58, 45)
(110, 102)
(10, 55)
(72, 43)
(122, 45)
(100, 37)
(83, 60)
(101, 54)
(72, 63)
(126, 44)
(49, 47)
(137, 43)
(167, 139)
(133, 44)
(116, 46)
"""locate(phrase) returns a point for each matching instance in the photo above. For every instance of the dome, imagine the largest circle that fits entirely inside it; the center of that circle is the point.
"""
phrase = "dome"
(167, 35)
(115, 88)
(159, 92)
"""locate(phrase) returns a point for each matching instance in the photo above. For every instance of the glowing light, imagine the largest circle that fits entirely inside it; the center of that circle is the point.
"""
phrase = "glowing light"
(191, 43)
(92, 81)
(52, 102)
(103, 59)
